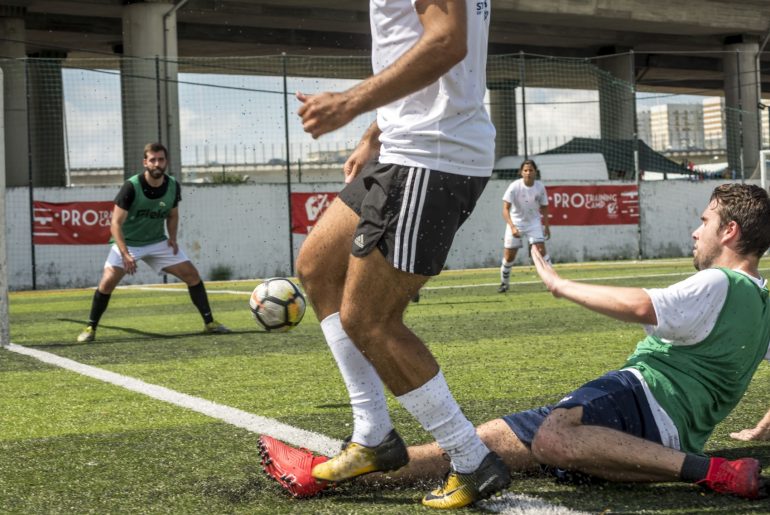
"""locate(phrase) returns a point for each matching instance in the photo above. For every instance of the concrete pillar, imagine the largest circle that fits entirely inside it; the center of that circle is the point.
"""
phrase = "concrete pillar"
(13, 52)
(149, 84)
(46, 119)
(617, 103)
(741, 106)
(502, 107)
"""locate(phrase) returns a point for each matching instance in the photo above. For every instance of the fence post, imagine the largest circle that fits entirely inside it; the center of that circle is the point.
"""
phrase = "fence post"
(30, 186)
(288, 163)
(523, 74)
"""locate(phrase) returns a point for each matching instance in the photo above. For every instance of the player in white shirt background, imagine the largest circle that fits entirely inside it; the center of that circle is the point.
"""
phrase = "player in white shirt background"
(525, 211)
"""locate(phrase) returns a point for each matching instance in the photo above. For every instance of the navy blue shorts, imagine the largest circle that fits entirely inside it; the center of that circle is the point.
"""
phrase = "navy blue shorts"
(616, 400)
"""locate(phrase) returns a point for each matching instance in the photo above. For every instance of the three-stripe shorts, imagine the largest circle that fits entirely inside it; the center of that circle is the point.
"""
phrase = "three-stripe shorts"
(410, 214)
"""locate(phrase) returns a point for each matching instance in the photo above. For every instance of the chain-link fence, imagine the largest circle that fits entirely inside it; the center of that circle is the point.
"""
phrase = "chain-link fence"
(84, 122)
(228, 118)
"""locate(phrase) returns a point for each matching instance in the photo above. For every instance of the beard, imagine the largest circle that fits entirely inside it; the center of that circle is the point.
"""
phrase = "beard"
(156, 173)
(703, 260)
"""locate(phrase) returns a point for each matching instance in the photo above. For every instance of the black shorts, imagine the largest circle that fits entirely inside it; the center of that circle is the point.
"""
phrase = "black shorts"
(410, 214)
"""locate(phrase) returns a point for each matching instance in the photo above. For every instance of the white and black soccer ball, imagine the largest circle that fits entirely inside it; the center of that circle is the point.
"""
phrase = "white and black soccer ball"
(277, 304)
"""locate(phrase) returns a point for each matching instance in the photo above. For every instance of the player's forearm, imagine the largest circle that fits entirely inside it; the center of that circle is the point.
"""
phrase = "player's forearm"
(626, 304)
(117, 235)
(172, 226)
(544, 217)
(432, 56)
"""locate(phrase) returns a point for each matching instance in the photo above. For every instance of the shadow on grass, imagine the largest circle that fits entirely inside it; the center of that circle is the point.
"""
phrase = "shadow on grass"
(132, 333)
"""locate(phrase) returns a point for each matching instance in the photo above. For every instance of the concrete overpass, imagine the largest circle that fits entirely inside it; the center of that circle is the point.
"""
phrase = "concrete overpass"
(679, 46)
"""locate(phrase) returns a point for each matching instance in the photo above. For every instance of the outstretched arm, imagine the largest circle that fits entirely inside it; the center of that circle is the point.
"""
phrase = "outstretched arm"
(626, 304)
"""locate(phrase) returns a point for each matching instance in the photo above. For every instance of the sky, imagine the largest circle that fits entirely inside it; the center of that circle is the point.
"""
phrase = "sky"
(240, 118)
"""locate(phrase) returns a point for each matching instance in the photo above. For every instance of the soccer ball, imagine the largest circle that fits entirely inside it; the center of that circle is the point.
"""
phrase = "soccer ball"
(277, 304)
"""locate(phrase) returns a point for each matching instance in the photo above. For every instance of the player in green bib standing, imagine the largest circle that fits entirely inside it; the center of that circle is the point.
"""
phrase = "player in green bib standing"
(146, 209)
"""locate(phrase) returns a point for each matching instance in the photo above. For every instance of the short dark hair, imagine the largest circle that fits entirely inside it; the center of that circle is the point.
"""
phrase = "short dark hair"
(529, 162)
(748, 206)
(154, 147)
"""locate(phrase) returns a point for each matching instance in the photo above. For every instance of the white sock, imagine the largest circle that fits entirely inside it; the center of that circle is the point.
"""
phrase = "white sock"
(505, 271)
(371, 420)
(434, 407)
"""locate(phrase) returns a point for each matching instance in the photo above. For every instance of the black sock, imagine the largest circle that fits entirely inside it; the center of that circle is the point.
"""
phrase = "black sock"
(98, 307)
(695, 468)
(201, 301)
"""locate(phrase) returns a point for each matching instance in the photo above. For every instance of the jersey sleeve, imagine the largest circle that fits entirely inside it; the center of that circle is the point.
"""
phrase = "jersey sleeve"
(125, 196)
(688, 310)
(508, 195)
(543, 195)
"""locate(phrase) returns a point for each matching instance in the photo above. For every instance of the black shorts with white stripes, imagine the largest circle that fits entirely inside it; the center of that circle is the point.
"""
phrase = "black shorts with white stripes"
(410, 214)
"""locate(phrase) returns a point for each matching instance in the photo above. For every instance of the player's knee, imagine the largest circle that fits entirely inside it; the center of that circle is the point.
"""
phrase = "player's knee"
(551, 444)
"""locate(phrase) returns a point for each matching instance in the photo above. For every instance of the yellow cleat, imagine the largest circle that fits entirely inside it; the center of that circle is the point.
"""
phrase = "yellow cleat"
(88, 335)
(355, 459)
(461, 490)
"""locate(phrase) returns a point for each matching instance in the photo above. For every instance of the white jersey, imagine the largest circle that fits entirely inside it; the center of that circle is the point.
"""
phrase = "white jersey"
(688, 310)
(526, 202)
(443, 126)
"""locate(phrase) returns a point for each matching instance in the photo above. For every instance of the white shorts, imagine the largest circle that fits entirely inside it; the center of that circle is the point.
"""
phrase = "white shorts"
(533, 234)
(158, 255)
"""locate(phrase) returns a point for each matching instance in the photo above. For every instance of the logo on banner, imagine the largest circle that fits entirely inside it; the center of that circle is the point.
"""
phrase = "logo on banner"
(307, 208)
(72, 223)
(316, 205)
(593, 205)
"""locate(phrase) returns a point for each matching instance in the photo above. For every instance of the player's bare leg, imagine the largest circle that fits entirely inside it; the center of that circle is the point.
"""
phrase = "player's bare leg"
(376, 296)
(322, 262)
(563, 441)
(428, 462)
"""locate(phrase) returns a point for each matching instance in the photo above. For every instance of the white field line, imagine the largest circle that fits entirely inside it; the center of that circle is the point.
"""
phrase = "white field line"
(507, 504)
(446, 287)
(425, 288)
(254, 423)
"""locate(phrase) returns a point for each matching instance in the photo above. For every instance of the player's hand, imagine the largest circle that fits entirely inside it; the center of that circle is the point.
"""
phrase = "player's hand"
(547, 232)
(756, 433)
(324, 112)
(129, 263)
(547, 274)
(515, 232)
(174, 246)
(362, 154)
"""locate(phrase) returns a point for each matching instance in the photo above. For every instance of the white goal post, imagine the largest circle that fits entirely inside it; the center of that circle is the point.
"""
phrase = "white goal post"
(4, 324)
(764, 155)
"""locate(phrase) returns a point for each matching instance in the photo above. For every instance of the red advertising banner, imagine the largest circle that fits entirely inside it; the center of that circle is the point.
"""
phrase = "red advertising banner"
(593, 205)
(307, 208)
(72, 223)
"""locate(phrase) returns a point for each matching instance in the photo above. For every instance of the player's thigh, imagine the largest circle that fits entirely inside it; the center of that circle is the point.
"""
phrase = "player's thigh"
(327, 247)
(376, 292)
(184, 271)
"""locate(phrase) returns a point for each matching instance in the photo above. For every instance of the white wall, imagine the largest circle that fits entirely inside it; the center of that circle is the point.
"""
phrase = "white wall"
(246, 228)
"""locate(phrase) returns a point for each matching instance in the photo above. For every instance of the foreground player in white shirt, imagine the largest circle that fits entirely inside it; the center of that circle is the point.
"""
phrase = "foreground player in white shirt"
(413, 180)
(525, 211)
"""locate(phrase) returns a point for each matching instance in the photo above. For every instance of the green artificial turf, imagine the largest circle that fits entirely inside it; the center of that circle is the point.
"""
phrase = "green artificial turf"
(72, 444)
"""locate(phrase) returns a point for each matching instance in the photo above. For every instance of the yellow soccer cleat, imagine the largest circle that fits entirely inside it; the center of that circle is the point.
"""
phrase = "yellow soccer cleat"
(355, 459)
(461, 490)
(88, 335)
